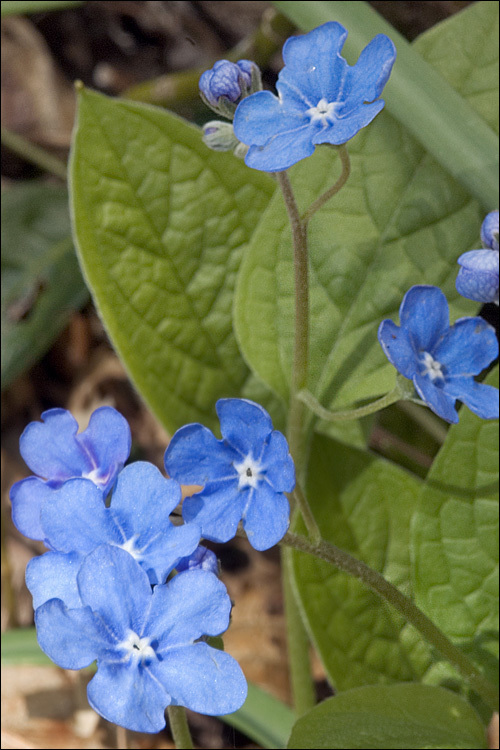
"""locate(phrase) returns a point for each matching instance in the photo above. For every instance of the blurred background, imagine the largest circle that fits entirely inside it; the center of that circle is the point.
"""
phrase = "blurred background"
(55, 352)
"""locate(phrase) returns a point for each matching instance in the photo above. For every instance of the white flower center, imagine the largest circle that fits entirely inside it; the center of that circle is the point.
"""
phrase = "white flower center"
(323, 112)
(432, 367)
(137, 648)
(249, 471)
(96, 477)
(129, 546)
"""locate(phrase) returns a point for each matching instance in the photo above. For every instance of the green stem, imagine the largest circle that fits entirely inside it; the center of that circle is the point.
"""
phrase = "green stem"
(307, 515)
(374, 580)
(179, 728)
(319, 202)
(344, 416)
(301, 341)
(302, 684)
(34, 154)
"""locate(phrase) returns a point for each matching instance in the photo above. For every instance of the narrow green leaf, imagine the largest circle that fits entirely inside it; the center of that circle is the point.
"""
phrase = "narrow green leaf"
(41, 281)
(15, 7)
(390, 716)
(160, 223)
(400, 220)
(455, 539)
(20, 646)
(461, 136)
(263, 718)
(362, 504)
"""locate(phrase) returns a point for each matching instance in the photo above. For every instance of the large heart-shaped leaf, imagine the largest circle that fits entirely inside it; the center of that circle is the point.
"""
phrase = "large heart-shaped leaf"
(455, 538)
(362, 504)
(400, 220)
(161, 223)
(390, 716)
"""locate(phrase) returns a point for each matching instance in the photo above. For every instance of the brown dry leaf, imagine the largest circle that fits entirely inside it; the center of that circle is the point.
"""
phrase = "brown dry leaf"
(37, 102)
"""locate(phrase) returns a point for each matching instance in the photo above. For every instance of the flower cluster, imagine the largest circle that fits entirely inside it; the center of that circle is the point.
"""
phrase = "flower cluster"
(120, 582)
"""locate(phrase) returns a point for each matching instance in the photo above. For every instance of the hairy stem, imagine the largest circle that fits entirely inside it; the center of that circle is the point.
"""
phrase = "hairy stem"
(348, 414)
(374, 580)
(319, 202)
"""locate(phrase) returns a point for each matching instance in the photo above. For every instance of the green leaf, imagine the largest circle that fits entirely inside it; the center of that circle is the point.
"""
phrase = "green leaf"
(20, 646)
(41, 281)
(362, 504)
(263, 718)
(419, 96)
(391, 716)
(455, 538)
(15, 7)
(161, 223)
(400, 220)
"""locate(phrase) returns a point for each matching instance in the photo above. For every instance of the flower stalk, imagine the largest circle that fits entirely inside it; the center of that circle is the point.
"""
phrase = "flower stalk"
(334, 189)
(179, 727)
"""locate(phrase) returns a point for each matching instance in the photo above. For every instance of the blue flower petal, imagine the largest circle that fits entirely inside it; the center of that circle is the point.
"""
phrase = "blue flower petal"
(243, 424)
(266, 518)
(278, 463)
(27, 498)
(72, 638)
(195, 456)
(467, 347)
(130, 696)
(398, 348)
(365, 81)
(203, 679)
(345, 128)
(217, 510)
(50, 449)
(107, 440)
(313, 64)
(53, 576)
(436, 398)
(201, 559)
(192, 604)
(74, 518)
(115, 586)
(160, 552)
(489, 230)
(481, 398)
(282, 151)
(425, 315)
(262, 116)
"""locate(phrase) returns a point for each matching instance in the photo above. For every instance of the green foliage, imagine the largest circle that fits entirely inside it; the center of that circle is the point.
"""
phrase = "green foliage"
(15, 7)
(41, 280)
(264, 718)
(362, 504)
(455, 539)
(161, 223)
(390, 716)
(400, 220)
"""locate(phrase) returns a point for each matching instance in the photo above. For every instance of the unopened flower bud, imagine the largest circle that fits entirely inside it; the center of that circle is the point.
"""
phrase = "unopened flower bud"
(224, 85)
(219, 136)
(489, 231)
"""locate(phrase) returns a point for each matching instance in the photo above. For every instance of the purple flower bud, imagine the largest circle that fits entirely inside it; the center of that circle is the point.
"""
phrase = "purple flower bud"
(489, 231)
(226, 79)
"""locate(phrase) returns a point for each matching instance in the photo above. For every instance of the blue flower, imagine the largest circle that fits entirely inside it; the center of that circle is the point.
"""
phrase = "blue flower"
(226, 79)
(244, 475)
(144, 641)
(54, 451)
(321, 98)
(440, 359)
(75, 521)
(478, 276)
